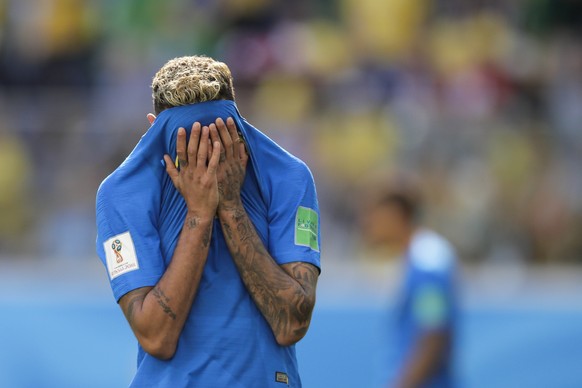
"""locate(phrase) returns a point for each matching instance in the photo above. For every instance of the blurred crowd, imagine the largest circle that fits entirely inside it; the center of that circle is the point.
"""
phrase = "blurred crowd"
(481, 100)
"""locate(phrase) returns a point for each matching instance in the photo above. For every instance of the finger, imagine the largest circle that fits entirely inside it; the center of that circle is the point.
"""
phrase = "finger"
(215, 158)
(210, 147)
(151, 118)
(193, 142)
(171, 169)
(225, 137)
(203, 147)
(243, 154)
(234, 136)
(215, 137)
(181, 148)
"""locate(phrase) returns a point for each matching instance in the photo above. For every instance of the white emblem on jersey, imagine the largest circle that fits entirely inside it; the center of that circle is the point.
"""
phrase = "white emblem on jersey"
(120, 253)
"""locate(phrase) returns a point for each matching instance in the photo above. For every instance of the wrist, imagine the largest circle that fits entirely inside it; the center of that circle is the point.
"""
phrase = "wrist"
(230, 207)
(194, 217)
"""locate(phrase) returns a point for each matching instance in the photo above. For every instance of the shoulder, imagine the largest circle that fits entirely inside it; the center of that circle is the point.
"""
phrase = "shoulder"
(269, 155)
(119, 185)
(287, 162)
(107, 187)
(289, 171)
(108, 199)
(293, 181)
(281, 173)
(114, 182)
(297, 169)
(430, 252)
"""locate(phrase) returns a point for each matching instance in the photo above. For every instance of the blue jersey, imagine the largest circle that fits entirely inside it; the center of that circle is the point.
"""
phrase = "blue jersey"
(226, 342)
(427, 301)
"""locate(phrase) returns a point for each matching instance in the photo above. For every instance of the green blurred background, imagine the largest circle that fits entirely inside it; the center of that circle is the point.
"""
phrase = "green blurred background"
(481, 99)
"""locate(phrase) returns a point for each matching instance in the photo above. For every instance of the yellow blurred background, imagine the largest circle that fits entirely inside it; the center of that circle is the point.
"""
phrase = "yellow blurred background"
(481, 99)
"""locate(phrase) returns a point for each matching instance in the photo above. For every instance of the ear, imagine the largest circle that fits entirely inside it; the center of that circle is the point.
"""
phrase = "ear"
(151, 118)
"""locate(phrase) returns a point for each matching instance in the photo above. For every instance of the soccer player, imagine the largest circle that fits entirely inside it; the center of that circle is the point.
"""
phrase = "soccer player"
(210, 235)
(426, 310)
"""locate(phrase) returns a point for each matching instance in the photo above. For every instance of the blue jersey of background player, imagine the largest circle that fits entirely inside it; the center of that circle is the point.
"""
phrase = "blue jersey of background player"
(426, 308)
(210, 239)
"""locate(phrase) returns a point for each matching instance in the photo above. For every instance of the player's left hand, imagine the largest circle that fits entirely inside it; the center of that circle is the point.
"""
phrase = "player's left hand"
(233, 162)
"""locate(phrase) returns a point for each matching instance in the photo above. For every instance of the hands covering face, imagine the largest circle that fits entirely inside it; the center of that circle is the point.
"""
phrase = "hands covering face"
(233, 161)
(196, 175)
(211, 166)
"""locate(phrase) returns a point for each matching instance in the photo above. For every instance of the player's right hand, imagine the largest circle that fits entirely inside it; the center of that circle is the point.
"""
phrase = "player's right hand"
(194, 178)
(233, 163)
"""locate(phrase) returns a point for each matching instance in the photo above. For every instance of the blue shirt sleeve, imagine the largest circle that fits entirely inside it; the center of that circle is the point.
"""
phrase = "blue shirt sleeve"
(432, 300)
(128, 241)
(294, 218)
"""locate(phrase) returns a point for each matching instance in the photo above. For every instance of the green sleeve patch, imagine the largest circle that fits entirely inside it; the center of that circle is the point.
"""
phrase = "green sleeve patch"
(306, 228)
(430, 307)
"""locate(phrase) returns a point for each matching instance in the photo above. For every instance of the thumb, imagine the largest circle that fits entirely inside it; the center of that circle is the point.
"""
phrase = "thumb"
(244, 156)
(171, 170)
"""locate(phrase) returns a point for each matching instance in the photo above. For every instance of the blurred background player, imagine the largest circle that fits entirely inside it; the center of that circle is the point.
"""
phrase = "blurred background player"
(426, 308)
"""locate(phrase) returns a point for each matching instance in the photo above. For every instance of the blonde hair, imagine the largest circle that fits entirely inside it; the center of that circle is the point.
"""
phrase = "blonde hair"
(188, 80)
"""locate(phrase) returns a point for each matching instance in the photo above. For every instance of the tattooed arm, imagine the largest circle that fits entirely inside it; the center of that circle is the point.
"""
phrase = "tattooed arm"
(157, 314)
(284, 294)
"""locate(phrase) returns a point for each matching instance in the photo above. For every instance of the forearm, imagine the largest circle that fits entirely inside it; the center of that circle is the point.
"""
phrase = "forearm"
(157, 315)
(427, 356)
(282, 300)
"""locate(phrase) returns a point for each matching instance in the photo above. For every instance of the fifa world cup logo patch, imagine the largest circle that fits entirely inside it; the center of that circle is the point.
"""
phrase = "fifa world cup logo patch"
(120, 255)
(116, 246)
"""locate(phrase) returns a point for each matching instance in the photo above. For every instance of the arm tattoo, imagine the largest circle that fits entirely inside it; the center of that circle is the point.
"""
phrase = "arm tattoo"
(229, 189)
(285, 296)
(227, 231)
(163, 301)
(136, 299)
(306, 275)
(192, 222)
(207, 236)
